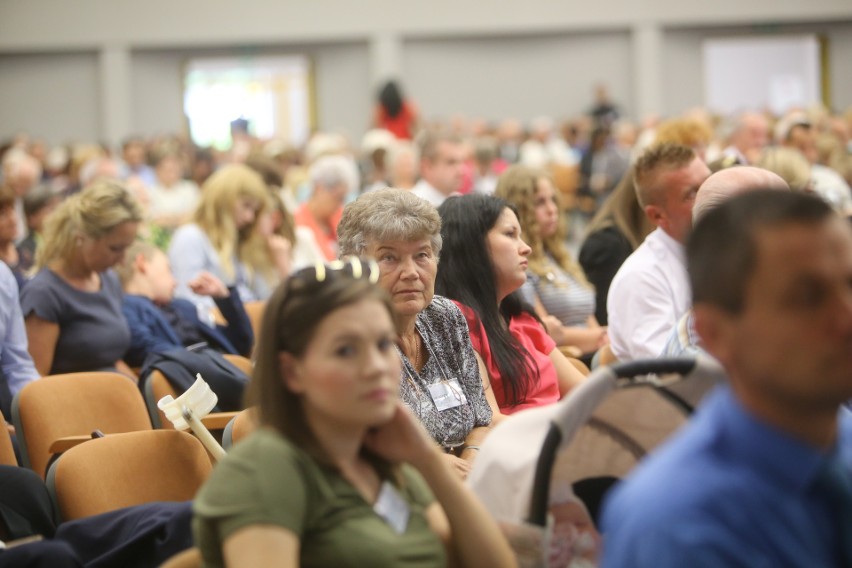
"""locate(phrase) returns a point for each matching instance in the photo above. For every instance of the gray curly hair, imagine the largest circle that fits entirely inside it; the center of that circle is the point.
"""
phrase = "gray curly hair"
(387, 215)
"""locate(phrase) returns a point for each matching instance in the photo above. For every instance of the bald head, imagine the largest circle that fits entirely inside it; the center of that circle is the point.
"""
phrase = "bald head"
(729, 182)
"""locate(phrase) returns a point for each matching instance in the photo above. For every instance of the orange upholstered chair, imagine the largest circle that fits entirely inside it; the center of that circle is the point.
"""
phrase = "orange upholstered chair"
(122, 470)
(239, 427)
(74, 405)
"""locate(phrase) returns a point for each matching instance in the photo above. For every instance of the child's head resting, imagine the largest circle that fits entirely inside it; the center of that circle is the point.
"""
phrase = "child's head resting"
(146, 272)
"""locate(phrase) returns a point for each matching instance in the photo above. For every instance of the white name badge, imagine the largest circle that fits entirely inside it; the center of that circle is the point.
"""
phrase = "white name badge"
(447, 394)
(392, 508)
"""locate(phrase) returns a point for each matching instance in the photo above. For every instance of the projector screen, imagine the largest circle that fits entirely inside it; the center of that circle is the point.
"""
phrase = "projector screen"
(751, 73)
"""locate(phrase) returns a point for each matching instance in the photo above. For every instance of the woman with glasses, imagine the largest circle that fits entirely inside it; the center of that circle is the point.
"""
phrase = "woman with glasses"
(340, 473)
(441, 380)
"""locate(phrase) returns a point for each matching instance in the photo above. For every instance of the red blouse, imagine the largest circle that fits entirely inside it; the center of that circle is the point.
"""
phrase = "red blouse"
(528, 332)
(400, 125)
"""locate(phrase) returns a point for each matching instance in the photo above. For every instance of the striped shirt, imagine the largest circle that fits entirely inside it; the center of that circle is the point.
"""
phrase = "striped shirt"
(561, 295)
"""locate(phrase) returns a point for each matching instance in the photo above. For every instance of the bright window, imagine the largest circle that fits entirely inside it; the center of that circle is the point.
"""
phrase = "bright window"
(271, 93)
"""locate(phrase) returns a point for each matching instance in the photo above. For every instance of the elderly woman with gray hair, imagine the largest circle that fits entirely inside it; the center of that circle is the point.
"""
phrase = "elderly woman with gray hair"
(441, 379)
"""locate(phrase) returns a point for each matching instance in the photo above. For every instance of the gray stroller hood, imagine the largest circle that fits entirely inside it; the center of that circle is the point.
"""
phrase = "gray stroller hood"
(613, 419)
(599, 431)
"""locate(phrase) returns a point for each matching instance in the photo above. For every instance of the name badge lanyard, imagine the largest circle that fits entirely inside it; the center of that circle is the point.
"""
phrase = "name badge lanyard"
(412, 376)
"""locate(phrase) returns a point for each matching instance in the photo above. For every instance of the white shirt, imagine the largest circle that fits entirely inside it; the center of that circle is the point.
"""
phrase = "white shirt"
(306, 251)
(425, 190)
(647, 297)
(180, 199)
(539, 155)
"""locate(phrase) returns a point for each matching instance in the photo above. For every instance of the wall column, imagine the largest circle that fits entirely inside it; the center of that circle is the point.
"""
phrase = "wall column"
(647, 39)
(385, 58)
(115, 93)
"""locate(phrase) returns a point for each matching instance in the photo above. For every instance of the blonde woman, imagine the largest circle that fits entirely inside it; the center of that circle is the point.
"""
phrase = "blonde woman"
(556, 286)
(72, 307)
(225, 239)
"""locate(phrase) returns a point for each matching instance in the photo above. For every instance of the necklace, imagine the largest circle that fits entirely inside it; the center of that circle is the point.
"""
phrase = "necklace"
(416, 351)
(414, 358)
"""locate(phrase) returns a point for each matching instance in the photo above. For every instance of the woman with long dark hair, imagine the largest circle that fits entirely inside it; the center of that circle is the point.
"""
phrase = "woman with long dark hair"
(483, 265)
(556, 286)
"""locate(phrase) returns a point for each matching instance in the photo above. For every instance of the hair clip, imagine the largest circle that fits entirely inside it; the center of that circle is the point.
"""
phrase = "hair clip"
(356, 267)
(319, 272)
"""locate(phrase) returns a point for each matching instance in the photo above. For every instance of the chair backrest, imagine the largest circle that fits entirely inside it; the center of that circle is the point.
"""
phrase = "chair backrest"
(254, 310)
(122, 470)
(156, 387)
(244, 364)
(239, 427)
(7, 452)
(74, 404)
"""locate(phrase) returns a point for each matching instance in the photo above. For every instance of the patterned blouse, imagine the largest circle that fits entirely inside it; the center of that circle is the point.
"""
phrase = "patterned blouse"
(447, 341)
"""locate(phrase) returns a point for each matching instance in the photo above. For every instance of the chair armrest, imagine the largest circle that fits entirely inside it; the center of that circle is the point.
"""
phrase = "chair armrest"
(571, 351)
(64, 444)
(218, 420)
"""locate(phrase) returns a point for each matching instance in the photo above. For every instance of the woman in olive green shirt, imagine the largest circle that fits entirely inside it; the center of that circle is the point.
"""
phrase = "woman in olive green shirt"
(339, 474)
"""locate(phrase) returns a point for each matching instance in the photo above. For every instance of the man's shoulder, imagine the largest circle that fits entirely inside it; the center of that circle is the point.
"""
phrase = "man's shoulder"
(698, 478)
(643, 264)
(652, 260)
(670, 475)
(686, 495)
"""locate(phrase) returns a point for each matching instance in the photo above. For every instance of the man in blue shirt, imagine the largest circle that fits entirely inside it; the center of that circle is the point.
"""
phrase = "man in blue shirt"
(16, 365)
(762, 475)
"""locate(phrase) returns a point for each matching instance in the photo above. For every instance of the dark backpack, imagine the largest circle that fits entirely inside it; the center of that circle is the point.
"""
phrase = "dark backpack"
(180, 366)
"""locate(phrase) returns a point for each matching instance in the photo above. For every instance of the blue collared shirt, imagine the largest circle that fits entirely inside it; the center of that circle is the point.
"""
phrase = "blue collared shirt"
(15, 360)
(727, 490)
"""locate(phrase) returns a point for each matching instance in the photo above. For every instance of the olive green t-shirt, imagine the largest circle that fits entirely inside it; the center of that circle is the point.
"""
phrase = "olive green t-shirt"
(267, 480)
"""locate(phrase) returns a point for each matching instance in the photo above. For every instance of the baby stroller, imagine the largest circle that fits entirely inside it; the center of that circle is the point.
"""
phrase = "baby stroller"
(544, 473)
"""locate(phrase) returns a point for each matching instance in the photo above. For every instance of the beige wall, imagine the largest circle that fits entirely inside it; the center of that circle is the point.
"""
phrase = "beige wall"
(476, 57)
(517, 76)
(54, 95)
